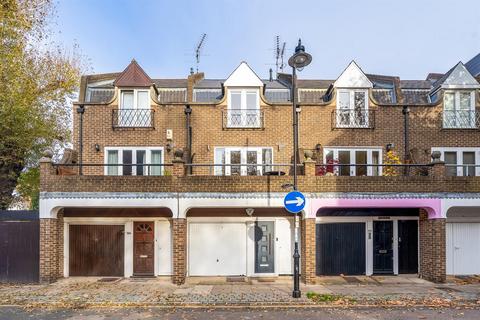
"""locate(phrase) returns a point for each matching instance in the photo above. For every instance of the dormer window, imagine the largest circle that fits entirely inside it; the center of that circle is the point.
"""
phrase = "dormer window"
(352, 108)
(134, 108)
(459, 109)
(243, 108)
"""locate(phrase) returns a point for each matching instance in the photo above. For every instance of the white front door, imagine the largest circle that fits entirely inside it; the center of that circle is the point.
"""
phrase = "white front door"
(217, 249)
(463, 248)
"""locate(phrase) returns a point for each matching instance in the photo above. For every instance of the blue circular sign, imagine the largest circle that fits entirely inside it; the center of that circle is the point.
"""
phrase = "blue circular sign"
(294, 202)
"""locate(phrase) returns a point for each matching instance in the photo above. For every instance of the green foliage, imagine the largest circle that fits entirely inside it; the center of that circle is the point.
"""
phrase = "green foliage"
(28, 186)
(38, 80)
(327, 297)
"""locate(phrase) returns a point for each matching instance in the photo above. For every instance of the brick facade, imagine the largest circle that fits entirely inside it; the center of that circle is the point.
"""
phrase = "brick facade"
(179, 254)
(432, 248)
(316, 132)
(308, 263)
(51, 249)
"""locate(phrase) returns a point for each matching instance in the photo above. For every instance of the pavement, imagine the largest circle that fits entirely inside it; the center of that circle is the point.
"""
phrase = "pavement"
(11, 313)
(159, 292)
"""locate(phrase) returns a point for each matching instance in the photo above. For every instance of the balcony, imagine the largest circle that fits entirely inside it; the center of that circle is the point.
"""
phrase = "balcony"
(174, 179)
(243, 119)
(353, 119)
(461, 119)
(133, 118)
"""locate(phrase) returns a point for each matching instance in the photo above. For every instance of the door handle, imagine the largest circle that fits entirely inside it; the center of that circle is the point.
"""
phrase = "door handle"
(269, 244)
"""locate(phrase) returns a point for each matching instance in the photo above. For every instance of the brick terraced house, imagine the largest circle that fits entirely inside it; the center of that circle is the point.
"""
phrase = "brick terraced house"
(186, 177)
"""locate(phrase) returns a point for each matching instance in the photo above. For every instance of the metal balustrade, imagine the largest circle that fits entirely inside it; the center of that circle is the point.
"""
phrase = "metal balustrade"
(461, 119)
(351, 118)
(243, 118)
(133, 118)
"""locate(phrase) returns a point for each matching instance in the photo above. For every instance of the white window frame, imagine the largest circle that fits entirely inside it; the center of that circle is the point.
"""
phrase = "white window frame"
(135, 96)
(460, 151)
(243, 107)
(351, 109)
(122, 122)
(352, 150)
(456, 108)
(148, 158)
(243, 159)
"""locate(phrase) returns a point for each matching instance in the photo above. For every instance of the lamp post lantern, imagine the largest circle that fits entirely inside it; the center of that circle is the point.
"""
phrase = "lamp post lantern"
(299, 60)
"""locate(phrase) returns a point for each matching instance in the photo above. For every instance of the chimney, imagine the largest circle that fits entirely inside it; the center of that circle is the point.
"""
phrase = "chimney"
(193, 78)
(271, 74)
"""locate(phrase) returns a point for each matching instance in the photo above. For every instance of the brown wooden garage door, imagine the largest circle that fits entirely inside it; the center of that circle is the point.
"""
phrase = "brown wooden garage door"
(96, 250)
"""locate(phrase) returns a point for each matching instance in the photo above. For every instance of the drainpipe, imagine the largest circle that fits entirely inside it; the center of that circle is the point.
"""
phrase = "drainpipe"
(188, 113)
(406, 157)
(80, 111)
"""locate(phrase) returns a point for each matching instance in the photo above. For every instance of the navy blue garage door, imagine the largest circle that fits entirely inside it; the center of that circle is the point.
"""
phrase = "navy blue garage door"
(340, 248)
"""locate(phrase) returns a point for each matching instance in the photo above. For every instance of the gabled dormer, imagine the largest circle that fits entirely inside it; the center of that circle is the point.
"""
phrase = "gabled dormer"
(134, 103)
(459, 98)
(243, 98)
(352, 88)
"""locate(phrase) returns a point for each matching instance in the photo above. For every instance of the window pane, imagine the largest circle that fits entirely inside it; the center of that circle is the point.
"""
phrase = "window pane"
(267, 159)
(464, 100)
(361, 158)
(375, 158)
(252, 100)
(127, 100)
(142, 100)
(359, 100)
(236, 100)
(156, 159)
(469, 159)
(219, 159)
(344, 158)
(329, 162)
(141, 159)
(235, 158)
(127, 159)
(252, 159)
(451, 158)
(449, 101)
(112, 158)
(344, 100)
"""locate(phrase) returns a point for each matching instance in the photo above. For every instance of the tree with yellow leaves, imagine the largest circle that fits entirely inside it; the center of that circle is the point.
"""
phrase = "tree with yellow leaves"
(38, 79)
(391, 157)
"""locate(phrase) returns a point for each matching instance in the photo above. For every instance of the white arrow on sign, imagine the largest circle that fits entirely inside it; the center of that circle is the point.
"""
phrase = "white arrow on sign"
(299, 201)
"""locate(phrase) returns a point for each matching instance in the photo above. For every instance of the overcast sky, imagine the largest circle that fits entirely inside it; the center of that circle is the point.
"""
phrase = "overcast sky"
(408, 38)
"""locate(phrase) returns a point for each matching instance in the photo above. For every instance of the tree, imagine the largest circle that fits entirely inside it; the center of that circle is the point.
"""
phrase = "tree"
(39, 78)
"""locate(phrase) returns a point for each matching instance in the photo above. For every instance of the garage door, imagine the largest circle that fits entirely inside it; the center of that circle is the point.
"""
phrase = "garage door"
(463, 248)
(340, 248)
(96, 250)
(217, 249)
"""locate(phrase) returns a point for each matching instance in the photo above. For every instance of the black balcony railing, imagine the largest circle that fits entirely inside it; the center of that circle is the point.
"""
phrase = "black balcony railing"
(461, 119)
(351, 118)
(133, 118)
(243, 118)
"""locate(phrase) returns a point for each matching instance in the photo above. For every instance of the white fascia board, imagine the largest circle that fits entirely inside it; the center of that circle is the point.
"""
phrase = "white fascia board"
(243, 76)
(460, 78)
(353, 77)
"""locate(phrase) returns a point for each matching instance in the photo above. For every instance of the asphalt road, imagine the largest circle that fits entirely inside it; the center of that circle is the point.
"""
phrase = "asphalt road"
(12, 313)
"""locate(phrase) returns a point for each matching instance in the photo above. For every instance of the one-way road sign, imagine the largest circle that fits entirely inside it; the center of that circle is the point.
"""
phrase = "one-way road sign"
(294, 202)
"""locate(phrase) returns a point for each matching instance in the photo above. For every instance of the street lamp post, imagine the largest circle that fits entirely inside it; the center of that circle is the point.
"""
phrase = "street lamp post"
(299, 60)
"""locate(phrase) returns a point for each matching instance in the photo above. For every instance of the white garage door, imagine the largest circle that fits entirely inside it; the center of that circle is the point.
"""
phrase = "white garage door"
(217, 249)
(463, 248)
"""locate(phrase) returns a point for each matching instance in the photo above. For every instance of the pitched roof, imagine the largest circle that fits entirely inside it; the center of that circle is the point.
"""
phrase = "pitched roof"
(243, 76)
(473, 66)
(133, 76)
(456, 77)
(353, 77)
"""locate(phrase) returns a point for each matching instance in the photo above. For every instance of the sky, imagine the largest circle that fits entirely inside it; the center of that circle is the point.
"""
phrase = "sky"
(407, 38)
